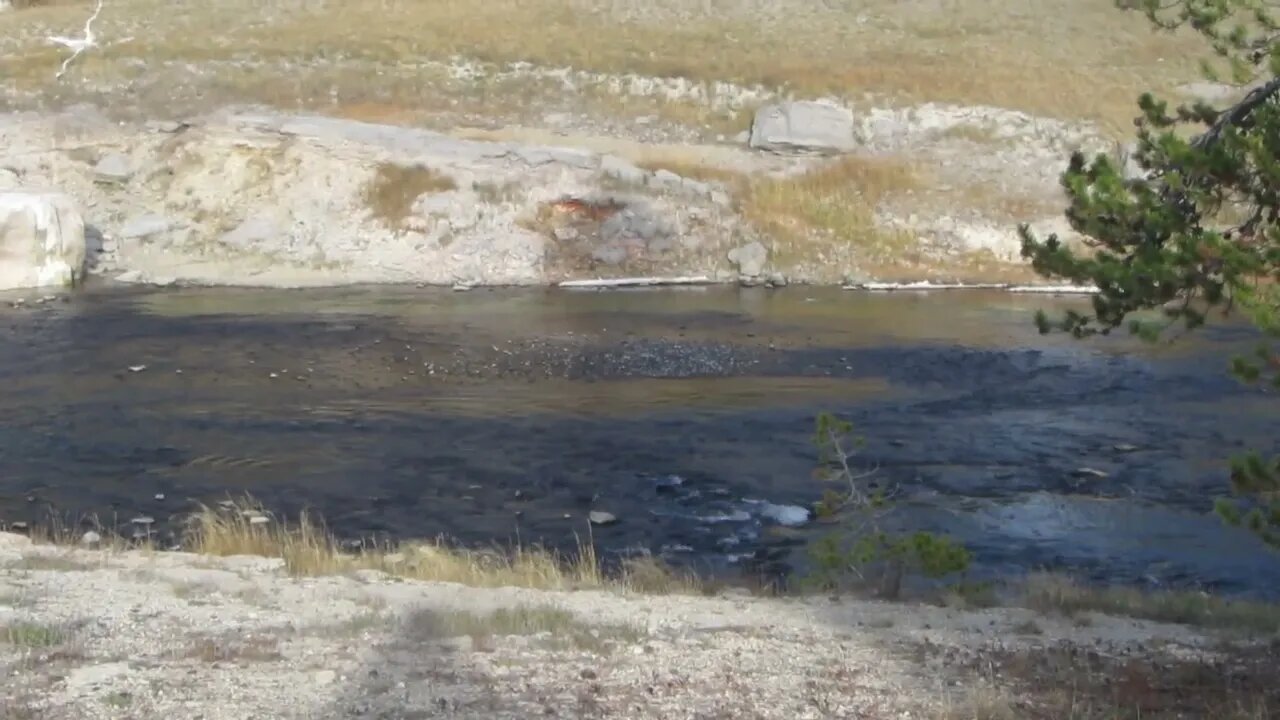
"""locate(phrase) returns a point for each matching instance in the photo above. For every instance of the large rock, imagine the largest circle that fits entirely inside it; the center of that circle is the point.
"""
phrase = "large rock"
(41, 240)
(750, 258)
(805, 127)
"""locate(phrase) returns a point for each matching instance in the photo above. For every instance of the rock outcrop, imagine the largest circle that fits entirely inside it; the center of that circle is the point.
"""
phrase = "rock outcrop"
(42, 240)
(273, 199)
(281, 200)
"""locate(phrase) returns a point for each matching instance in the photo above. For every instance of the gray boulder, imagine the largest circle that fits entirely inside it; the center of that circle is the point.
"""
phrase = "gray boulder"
(42, 240)
(750, 258)
(803, 128)
(113, 168)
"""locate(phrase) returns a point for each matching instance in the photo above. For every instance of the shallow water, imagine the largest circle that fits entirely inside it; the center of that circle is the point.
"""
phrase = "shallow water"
(509, 414)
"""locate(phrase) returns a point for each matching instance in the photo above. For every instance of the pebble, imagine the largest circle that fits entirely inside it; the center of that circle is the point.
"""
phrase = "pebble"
(90, 538)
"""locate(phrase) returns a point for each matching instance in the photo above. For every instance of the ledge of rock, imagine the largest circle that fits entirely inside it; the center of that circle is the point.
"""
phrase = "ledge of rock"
(42, 240)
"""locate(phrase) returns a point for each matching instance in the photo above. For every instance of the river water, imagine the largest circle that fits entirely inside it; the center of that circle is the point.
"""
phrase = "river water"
(507, 415)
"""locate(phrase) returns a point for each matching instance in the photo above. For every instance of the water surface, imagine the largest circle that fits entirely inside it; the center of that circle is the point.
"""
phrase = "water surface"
(495, 415)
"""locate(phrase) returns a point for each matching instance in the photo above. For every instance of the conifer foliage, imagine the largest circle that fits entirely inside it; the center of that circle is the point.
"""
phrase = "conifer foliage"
(1192, 231)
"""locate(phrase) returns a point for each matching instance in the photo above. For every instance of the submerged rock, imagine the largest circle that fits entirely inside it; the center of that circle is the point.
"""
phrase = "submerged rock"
(600, 517)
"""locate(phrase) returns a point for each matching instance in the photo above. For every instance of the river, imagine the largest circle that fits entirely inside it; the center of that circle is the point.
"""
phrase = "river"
(507, 415)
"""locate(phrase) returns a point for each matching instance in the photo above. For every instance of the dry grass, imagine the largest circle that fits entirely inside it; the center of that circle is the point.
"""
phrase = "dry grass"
(227, 649)
(28, 635)
(1065, 58)
(308, 549)
(981, 702)
(826, 217)
(1055, 593)
(394, 188)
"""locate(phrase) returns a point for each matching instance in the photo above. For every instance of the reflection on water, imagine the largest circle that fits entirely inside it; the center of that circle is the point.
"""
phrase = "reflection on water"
(491, 414)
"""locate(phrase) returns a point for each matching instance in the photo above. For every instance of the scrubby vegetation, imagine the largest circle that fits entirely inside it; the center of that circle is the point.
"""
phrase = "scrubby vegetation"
(862, 553)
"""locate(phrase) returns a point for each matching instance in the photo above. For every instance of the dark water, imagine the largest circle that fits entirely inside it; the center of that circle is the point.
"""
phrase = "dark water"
(502, 415)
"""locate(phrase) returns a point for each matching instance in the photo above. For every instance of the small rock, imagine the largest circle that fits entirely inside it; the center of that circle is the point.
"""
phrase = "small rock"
(588, 674)
(137, 368)
(325, 677)
(600, 517)
(18, 526)
(113, 168)
(665, 179)
(90, 539)
(259, 520)
(618, 169)
(160, 496)
(462, 287)
(166, 126)
(776, 280)
(144, 226)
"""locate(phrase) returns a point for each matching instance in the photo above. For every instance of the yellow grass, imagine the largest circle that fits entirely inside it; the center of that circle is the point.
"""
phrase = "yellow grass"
(394, 188)
(1063, 58)
(308, 549)
(825, 217)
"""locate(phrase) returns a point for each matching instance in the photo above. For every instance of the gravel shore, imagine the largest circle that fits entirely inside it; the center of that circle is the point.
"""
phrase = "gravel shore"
(99, 634)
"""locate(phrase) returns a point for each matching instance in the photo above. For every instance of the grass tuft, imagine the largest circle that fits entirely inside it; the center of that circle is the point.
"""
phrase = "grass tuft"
(981, 702)
(308, 549)
(1056, 593)
(33, 635)
(394, 188)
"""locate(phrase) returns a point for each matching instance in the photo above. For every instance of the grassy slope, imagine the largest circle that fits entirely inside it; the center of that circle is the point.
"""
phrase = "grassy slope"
(1059, 58)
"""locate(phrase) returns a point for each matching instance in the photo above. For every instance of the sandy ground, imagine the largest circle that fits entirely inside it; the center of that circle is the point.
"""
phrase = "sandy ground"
(92, 634)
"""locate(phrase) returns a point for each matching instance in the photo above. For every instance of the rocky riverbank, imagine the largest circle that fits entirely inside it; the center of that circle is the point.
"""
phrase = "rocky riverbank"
(109, 634)
(277, 144)
(271, 199)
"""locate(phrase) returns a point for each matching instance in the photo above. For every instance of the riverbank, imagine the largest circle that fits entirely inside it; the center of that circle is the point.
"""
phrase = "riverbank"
(107, 634)
(240, 160)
